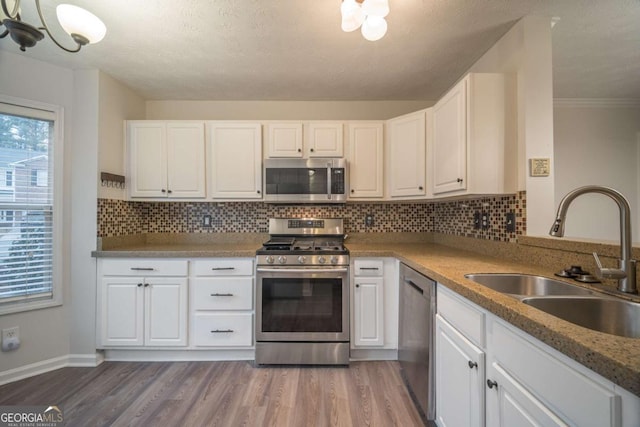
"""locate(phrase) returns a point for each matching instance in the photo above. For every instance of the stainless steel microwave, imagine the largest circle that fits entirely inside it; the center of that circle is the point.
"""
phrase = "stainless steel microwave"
(319, 180)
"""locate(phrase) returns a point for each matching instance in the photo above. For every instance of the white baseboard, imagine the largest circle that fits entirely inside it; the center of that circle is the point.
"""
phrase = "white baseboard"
(33, 369)
(178, 355)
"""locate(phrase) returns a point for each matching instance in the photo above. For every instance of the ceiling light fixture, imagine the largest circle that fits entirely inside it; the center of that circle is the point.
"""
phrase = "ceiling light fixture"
(365, 14)
(83, 26)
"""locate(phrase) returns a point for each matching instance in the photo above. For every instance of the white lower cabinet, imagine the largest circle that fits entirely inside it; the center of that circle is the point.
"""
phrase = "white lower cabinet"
(140, 307)
(459, 378)
(222, 302)
(374, 307)
(520, 382)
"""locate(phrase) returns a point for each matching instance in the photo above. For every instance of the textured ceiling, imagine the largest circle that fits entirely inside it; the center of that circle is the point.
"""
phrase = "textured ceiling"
(295, 50)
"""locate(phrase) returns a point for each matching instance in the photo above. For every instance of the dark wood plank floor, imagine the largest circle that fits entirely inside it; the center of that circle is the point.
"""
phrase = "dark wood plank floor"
(221, 394)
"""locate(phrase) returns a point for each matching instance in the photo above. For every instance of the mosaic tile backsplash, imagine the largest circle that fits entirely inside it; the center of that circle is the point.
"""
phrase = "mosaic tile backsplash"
(121, 218)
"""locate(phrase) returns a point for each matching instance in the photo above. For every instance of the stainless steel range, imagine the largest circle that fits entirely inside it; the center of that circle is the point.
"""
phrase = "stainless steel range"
(302, 293)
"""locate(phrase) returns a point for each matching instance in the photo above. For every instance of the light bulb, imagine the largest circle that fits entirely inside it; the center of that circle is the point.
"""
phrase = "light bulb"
(376, 7)
(352, 16)
(374, 28)
(76, 20)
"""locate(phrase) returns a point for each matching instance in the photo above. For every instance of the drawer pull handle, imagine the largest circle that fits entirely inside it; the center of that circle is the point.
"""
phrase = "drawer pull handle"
(222, 268)
(221, 295)
(142, 268)
(221, 331)
(369, 268)
(473, 364)
(492, 384)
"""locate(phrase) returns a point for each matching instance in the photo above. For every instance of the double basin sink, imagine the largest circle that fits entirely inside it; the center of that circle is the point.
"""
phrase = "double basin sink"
(572, 303)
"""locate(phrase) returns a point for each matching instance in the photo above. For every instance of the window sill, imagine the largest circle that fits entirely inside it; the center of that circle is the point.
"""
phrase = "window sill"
(19, 307)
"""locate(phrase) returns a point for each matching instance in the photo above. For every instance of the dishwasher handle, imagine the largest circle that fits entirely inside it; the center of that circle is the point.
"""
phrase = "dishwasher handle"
(414, 286)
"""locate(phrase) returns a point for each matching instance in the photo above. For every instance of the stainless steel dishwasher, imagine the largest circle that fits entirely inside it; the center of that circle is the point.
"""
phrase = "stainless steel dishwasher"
(416, 337)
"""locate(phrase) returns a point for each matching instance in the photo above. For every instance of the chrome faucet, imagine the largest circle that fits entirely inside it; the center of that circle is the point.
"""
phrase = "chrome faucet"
(626, 273)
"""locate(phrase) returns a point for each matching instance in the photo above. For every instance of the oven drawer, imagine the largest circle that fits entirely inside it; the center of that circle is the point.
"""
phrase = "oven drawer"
(222, 293)
(223, 330)
(368, 267)
(223, 267)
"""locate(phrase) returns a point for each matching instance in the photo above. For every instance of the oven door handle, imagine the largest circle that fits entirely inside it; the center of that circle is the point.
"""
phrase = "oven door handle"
(301, 270)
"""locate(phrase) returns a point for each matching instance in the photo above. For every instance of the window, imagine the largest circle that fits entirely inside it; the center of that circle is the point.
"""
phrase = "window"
(28, 136)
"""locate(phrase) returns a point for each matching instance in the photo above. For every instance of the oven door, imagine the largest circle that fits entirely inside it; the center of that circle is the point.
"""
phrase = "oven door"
(302, 304)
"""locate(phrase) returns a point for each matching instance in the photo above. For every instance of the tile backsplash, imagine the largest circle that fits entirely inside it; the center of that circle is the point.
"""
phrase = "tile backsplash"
(120, 217)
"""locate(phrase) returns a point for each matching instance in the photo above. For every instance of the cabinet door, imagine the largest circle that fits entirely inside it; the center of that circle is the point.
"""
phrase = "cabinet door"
(185, 160)
(236, 160)
(284, 140)
(122, 305)
(368, 310)
(365, 160)
(325, 139)
(459, 378)
(165, 311)
(407, 155)
(147, 152)
(510, 404)
(449, 152)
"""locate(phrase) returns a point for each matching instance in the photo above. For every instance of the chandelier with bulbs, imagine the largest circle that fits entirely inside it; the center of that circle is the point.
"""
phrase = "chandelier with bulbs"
(368, 15)
(83, 26)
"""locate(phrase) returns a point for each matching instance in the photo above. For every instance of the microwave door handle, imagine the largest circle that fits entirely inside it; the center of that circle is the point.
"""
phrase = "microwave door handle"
(329, 181)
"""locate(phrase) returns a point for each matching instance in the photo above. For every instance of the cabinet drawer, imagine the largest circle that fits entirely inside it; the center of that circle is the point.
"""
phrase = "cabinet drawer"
(144, 267)
(223, 267)
(223, 330)
(222, 293)
(552, 381)
(368, 267)
(463, 316)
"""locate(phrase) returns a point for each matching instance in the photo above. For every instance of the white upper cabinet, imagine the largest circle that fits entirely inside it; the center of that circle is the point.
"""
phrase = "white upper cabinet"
(406, 152)
(166, 159)
(284, 139)
(325, 139)
(365, 156)
(473, 138)
(235, 160)
(304, 140)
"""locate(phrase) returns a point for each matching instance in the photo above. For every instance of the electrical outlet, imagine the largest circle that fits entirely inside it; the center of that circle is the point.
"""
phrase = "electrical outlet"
(10, 338)
(476, 220)
(510, 222)
(206, 221)
(485, 220)
(368, 220)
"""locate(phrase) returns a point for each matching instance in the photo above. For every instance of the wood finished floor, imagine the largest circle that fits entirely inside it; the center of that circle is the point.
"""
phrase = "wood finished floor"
(221, 394)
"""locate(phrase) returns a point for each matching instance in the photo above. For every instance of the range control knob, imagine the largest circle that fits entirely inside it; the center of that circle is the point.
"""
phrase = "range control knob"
(269, 259)
(282, 259)
(322, 259)
(334, 259)
(302, 259)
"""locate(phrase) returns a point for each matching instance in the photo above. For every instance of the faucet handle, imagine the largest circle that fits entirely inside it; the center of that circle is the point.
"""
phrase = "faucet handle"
(607, 273)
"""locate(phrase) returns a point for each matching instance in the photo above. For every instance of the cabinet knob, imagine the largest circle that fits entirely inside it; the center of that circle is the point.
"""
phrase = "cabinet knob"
(163, 191)
(473, 364)
(492, 384)
(357, 286)
(353, 191)
(146, 285)
(139, 285)
(300, 150)
(169, 191)
(460, 180)
(258, 191)
(420, 188)
(311, 150)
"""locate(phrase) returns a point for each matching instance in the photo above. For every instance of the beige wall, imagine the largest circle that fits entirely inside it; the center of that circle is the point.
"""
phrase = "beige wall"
(281, 110)
(596, 142)
(117, 103)
(44, 333)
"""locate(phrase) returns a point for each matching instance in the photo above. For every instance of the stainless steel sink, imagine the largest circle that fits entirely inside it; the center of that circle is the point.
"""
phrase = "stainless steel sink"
(521, 285)
(609, 315)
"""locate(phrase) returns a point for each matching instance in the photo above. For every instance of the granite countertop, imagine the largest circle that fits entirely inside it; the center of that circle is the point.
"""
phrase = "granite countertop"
(615, 358)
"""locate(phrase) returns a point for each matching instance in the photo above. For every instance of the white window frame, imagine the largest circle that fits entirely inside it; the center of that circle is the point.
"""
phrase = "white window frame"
(18, 106)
